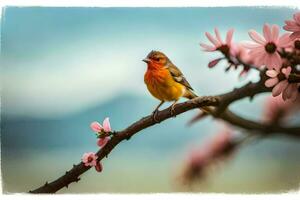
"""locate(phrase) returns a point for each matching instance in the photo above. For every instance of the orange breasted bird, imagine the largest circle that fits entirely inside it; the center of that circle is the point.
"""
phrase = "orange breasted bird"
(165, 81)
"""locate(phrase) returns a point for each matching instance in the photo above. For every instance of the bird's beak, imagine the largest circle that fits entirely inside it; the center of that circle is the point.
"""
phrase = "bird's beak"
(146, 60)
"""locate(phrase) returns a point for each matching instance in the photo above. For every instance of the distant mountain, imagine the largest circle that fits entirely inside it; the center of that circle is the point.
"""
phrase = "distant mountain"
(74, 131)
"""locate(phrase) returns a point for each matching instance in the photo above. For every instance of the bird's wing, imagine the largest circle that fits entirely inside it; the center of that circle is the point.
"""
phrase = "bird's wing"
(178, 76)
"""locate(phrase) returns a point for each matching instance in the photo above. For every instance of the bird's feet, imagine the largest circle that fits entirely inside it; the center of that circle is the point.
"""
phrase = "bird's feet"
(172, 109)
(154, 115)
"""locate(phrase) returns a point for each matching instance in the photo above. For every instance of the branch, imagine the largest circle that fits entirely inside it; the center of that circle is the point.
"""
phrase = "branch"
(220, 101)
(259, 128)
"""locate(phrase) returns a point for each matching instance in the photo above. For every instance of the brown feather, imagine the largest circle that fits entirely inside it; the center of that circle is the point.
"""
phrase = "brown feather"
(177, 75)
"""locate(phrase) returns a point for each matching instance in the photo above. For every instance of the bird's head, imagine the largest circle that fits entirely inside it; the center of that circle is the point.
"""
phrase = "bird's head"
(156, 59)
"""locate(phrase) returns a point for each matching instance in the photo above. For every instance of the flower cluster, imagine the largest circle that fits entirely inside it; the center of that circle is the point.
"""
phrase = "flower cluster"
(200, 160)
(103, 133)
(279, 80)
(278, 53)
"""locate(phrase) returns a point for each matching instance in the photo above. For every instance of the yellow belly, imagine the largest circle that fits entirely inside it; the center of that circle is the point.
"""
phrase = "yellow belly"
(164, 88)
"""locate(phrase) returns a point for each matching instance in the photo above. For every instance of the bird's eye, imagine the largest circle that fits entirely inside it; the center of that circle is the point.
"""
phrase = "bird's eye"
(157, 59)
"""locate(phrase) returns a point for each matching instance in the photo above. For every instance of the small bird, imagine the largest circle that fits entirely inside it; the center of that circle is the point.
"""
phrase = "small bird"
(165, 81)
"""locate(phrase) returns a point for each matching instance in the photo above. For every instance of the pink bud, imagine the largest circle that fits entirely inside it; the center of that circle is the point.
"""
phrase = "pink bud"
(99, 167)
(213, 63)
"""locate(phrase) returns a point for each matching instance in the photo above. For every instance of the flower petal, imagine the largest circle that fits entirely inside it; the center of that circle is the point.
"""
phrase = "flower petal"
(296, 17)
(288, 92)
(290, 23)
(284, 40)
(276, 60)
(214, 62)
(106, 125)
(96, 127)
(207, 47)
(218, 36)
(292, 28)
(286, 71)
(277, 90)
(102, 141)
(229, 36)
(272, 73)
(251, 45)
(267, 32)
(257, 37)
(295, 35)
(275, 33)
(212, 39)
(271, 82)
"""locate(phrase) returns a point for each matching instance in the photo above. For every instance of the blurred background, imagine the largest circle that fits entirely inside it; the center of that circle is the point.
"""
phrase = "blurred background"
(62, 68)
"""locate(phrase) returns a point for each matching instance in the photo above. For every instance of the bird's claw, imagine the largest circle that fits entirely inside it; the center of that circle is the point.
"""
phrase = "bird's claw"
(154, 115)
(172, 110)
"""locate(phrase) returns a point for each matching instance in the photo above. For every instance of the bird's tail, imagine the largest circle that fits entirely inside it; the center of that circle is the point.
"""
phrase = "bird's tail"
(205, 110)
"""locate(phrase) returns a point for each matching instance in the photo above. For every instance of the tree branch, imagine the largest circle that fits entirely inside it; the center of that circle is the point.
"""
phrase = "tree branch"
(220, 101)
(259, 128)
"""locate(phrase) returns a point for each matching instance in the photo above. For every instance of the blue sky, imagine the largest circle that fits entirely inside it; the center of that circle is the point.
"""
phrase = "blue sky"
(57, 61)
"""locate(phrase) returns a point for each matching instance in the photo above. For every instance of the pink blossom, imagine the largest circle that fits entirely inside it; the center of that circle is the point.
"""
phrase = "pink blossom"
(218, 147)
(276, 109)
(280, 84)
(293, 26)
(218, 43)
(264, 50)
(98, 128)
(103, 141)
(89, 159)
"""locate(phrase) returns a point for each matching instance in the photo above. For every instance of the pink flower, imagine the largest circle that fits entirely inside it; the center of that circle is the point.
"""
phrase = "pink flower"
(199, 160)
(293, 26)
(280, 84)
(103, 141)
(218, 44)
(89, 159)
(265, 49)
(98, 128)
(277, 110)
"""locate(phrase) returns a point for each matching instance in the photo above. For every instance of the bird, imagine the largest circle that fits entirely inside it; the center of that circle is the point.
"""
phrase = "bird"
(165, 81)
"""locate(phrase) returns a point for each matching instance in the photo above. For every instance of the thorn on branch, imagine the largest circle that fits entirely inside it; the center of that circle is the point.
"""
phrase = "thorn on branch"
(77, 179)
(128, 138)
(251, 97)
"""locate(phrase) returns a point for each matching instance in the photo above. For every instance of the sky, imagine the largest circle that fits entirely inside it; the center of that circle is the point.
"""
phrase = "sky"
(59, 61)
